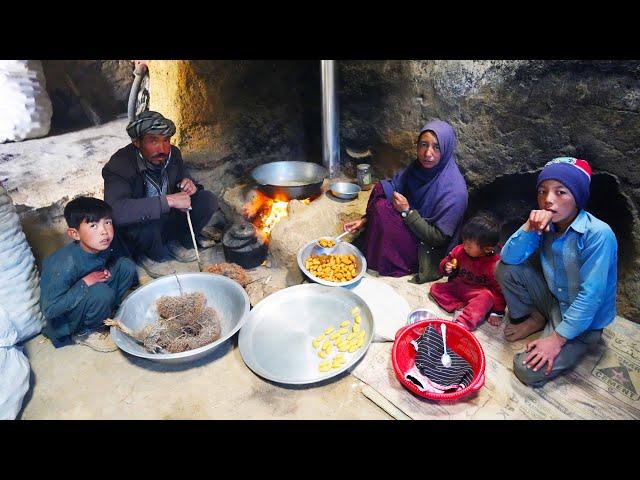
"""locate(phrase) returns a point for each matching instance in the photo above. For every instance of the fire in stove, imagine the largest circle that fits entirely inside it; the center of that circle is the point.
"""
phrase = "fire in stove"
(265, 212)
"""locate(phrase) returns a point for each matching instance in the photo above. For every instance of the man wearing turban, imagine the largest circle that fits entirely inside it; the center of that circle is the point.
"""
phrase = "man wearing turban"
(149, 190)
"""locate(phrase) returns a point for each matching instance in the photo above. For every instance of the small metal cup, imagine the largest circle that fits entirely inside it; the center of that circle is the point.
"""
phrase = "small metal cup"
(420, 314)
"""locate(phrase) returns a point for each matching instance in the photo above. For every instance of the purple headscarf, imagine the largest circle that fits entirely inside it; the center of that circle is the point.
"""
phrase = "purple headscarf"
(438, 193)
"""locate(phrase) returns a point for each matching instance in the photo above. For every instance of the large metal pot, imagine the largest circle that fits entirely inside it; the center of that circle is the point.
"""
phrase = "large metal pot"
(288, 180)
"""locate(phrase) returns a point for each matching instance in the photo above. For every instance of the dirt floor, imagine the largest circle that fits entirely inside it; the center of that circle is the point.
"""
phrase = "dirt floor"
(75, 382)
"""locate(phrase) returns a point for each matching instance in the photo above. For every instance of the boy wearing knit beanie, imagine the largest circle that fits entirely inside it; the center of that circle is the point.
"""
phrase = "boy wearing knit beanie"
(573, 298)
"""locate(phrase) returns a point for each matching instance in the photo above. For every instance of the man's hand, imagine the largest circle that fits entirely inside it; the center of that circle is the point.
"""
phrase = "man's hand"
(180, 200)
(539, 221)
(544, 351)
(187, 186)
(96, 277)
(400, 202)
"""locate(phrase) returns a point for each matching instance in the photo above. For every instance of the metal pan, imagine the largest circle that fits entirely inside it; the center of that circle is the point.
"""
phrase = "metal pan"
(275, 341)
(227, 297)
(290, 180)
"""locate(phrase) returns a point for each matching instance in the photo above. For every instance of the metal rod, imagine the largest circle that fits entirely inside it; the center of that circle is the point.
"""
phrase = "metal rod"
(193, 238)
(330, 133)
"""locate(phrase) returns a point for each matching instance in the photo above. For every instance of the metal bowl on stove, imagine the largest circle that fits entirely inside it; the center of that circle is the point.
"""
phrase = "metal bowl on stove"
(227, 297)
(345, 190)
(289, 179)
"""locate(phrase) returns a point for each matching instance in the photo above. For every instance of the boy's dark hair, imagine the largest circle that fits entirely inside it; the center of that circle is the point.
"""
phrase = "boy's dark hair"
(483, 229)
(87, 209)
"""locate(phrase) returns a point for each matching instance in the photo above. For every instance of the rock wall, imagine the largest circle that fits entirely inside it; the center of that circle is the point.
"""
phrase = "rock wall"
(105, 84)
(510, 118)
(234, 115)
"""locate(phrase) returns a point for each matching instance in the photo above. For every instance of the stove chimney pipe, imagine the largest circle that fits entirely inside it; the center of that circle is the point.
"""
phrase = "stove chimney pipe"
(330, 138)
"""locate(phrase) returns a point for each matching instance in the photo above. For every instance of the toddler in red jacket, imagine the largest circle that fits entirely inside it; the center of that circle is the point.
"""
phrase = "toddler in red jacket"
(472, 286)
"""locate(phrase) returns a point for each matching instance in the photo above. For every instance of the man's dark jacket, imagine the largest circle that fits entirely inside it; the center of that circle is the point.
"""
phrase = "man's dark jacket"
(124, 188)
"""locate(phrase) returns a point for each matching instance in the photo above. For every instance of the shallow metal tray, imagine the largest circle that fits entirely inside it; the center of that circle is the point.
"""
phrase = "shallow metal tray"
(227, 297)
(275, 341)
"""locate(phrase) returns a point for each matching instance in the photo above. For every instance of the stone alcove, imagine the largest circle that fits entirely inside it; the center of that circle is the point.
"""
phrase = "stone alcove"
(512, 197)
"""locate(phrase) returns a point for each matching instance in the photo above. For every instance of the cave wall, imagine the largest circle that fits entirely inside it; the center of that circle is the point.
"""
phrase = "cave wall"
(234, 115)
(510, 117)
(105, 84)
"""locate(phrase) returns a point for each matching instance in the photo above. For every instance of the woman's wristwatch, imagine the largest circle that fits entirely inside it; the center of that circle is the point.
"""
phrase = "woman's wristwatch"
(406, 212)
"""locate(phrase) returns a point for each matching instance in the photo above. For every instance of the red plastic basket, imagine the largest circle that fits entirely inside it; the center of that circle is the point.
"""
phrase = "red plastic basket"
(459, 340)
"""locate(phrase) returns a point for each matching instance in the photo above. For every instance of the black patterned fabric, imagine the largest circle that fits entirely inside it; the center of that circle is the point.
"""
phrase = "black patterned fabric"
(429, 362)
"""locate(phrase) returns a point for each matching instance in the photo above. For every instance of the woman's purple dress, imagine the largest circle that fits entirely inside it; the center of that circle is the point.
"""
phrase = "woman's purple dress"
(439, 194)
(389, 246)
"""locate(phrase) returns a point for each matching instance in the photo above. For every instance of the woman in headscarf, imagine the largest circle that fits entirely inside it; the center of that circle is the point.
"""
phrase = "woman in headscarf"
(414, 219)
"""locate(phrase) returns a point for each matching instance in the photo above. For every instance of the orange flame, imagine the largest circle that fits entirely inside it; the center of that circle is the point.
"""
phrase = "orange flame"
(265, 212)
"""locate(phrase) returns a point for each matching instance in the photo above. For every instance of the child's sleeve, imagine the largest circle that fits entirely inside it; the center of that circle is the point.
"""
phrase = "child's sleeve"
(59, 292)
(520, 246)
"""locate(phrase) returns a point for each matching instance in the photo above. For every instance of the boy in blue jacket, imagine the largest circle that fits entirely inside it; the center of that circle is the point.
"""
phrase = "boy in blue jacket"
(573, 296)
(81, 285)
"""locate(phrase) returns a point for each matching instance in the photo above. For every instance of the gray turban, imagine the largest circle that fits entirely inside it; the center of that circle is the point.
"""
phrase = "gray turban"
(150, 122)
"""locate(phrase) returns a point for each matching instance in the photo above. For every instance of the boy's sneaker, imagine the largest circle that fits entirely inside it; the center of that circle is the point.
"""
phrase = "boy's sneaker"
(184, 255)
(98, 340)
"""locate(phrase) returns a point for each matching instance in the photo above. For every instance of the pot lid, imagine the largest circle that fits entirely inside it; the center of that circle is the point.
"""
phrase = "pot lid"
(239, 235)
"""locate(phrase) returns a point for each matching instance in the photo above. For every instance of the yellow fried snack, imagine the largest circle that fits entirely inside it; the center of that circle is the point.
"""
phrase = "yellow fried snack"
(326, 242)
(342, 339)
(334, 268)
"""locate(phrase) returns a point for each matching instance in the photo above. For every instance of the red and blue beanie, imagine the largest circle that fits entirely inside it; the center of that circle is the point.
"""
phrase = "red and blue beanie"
(573, 173)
